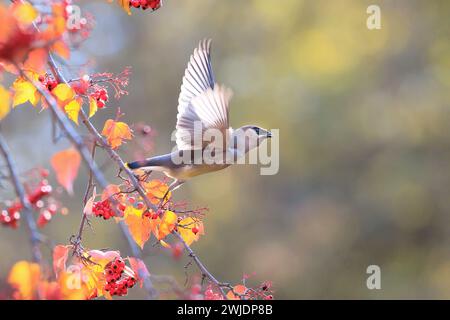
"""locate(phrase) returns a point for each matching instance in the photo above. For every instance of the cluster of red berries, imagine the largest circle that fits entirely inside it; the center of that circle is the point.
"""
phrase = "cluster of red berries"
(48, 81)
(10, 217)
(105, 210)
(146, 4)
(116, 283)
(101, 96)
(46, 215)
(151, 214)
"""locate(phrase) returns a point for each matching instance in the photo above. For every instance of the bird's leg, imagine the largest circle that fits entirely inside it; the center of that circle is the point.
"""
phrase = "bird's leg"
(172, 187)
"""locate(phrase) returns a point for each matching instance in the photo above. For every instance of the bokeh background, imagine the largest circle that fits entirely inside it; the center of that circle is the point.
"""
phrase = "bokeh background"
(364, 141)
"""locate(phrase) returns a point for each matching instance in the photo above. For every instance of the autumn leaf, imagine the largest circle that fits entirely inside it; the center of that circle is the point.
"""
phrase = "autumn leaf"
(24, 12)
(125, 4)
(61, 48)
(185, 227)
(24, 91)
(156, 189)
(90, 203)
(102, 258)
(116, 132)
(66, 164)
(92, 106)
(36, 60)
(72, 109)
(5, 102)
(24, 278)
(167, 224)
(63, 93)
(109, 191)
(60, 254)
(237, 292)
(139, 268)
(140, 228)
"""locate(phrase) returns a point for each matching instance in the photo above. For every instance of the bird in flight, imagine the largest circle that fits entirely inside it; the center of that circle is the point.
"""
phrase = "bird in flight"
(203, 107)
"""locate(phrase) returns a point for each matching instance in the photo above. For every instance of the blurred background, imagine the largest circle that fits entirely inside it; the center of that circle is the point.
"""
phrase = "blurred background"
(364, 141)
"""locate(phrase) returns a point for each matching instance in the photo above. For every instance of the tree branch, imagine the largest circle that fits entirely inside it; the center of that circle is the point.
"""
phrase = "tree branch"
(35, 237)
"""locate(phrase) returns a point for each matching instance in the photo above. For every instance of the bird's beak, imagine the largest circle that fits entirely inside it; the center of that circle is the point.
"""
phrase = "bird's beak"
(269, 134)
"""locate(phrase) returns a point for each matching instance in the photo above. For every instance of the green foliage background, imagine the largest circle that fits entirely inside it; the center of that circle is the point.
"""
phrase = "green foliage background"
(364, 126)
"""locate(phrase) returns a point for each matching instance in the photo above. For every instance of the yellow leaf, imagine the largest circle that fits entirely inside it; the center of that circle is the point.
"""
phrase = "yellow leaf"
(5, 102)
(185, 227)
(24, 12)
(63, 93)
(92, 106)
(167, 224)
(24, 91)
(24, 277)
(140, 227)
(116, 132)
(72, 110)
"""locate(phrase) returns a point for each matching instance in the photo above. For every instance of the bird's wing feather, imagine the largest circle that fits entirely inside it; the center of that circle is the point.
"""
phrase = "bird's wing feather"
(201, 100)
(209, 110)
(198, 75)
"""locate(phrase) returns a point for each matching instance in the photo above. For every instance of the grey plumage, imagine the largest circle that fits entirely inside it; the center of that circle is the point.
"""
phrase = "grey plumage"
(201, 101)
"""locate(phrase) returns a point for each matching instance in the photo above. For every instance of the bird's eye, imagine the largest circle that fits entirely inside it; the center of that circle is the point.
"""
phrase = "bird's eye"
(256, 129)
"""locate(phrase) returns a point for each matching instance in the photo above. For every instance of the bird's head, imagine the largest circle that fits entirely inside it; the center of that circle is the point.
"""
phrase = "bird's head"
(251, 136)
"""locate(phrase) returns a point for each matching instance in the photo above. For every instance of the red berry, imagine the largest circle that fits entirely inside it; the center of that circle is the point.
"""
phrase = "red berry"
(195, 230)
(100, 104)
(41, 78)
(135, 3)
(140, 205)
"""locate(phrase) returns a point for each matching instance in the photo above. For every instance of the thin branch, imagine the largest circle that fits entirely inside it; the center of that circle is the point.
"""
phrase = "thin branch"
(35, 237)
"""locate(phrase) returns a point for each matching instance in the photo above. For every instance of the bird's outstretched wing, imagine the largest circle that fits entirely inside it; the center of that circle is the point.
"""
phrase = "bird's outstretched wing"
(201, 101)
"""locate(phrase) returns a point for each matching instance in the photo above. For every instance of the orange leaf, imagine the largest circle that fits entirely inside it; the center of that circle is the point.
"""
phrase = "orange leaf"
(156, 189)
(140, 228)
(36, 60)
(139, 268)
(24, 277)
(61, 48)
(167, 225)
(125, 4)
(116, 132)
(239, 290)
(66, 164)
(5, 102)
(60, 254)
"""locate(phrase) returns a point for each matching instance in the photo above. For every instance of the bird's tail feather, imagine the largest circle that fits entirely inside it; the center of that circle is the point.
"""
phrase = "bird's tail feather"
(138, 164)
